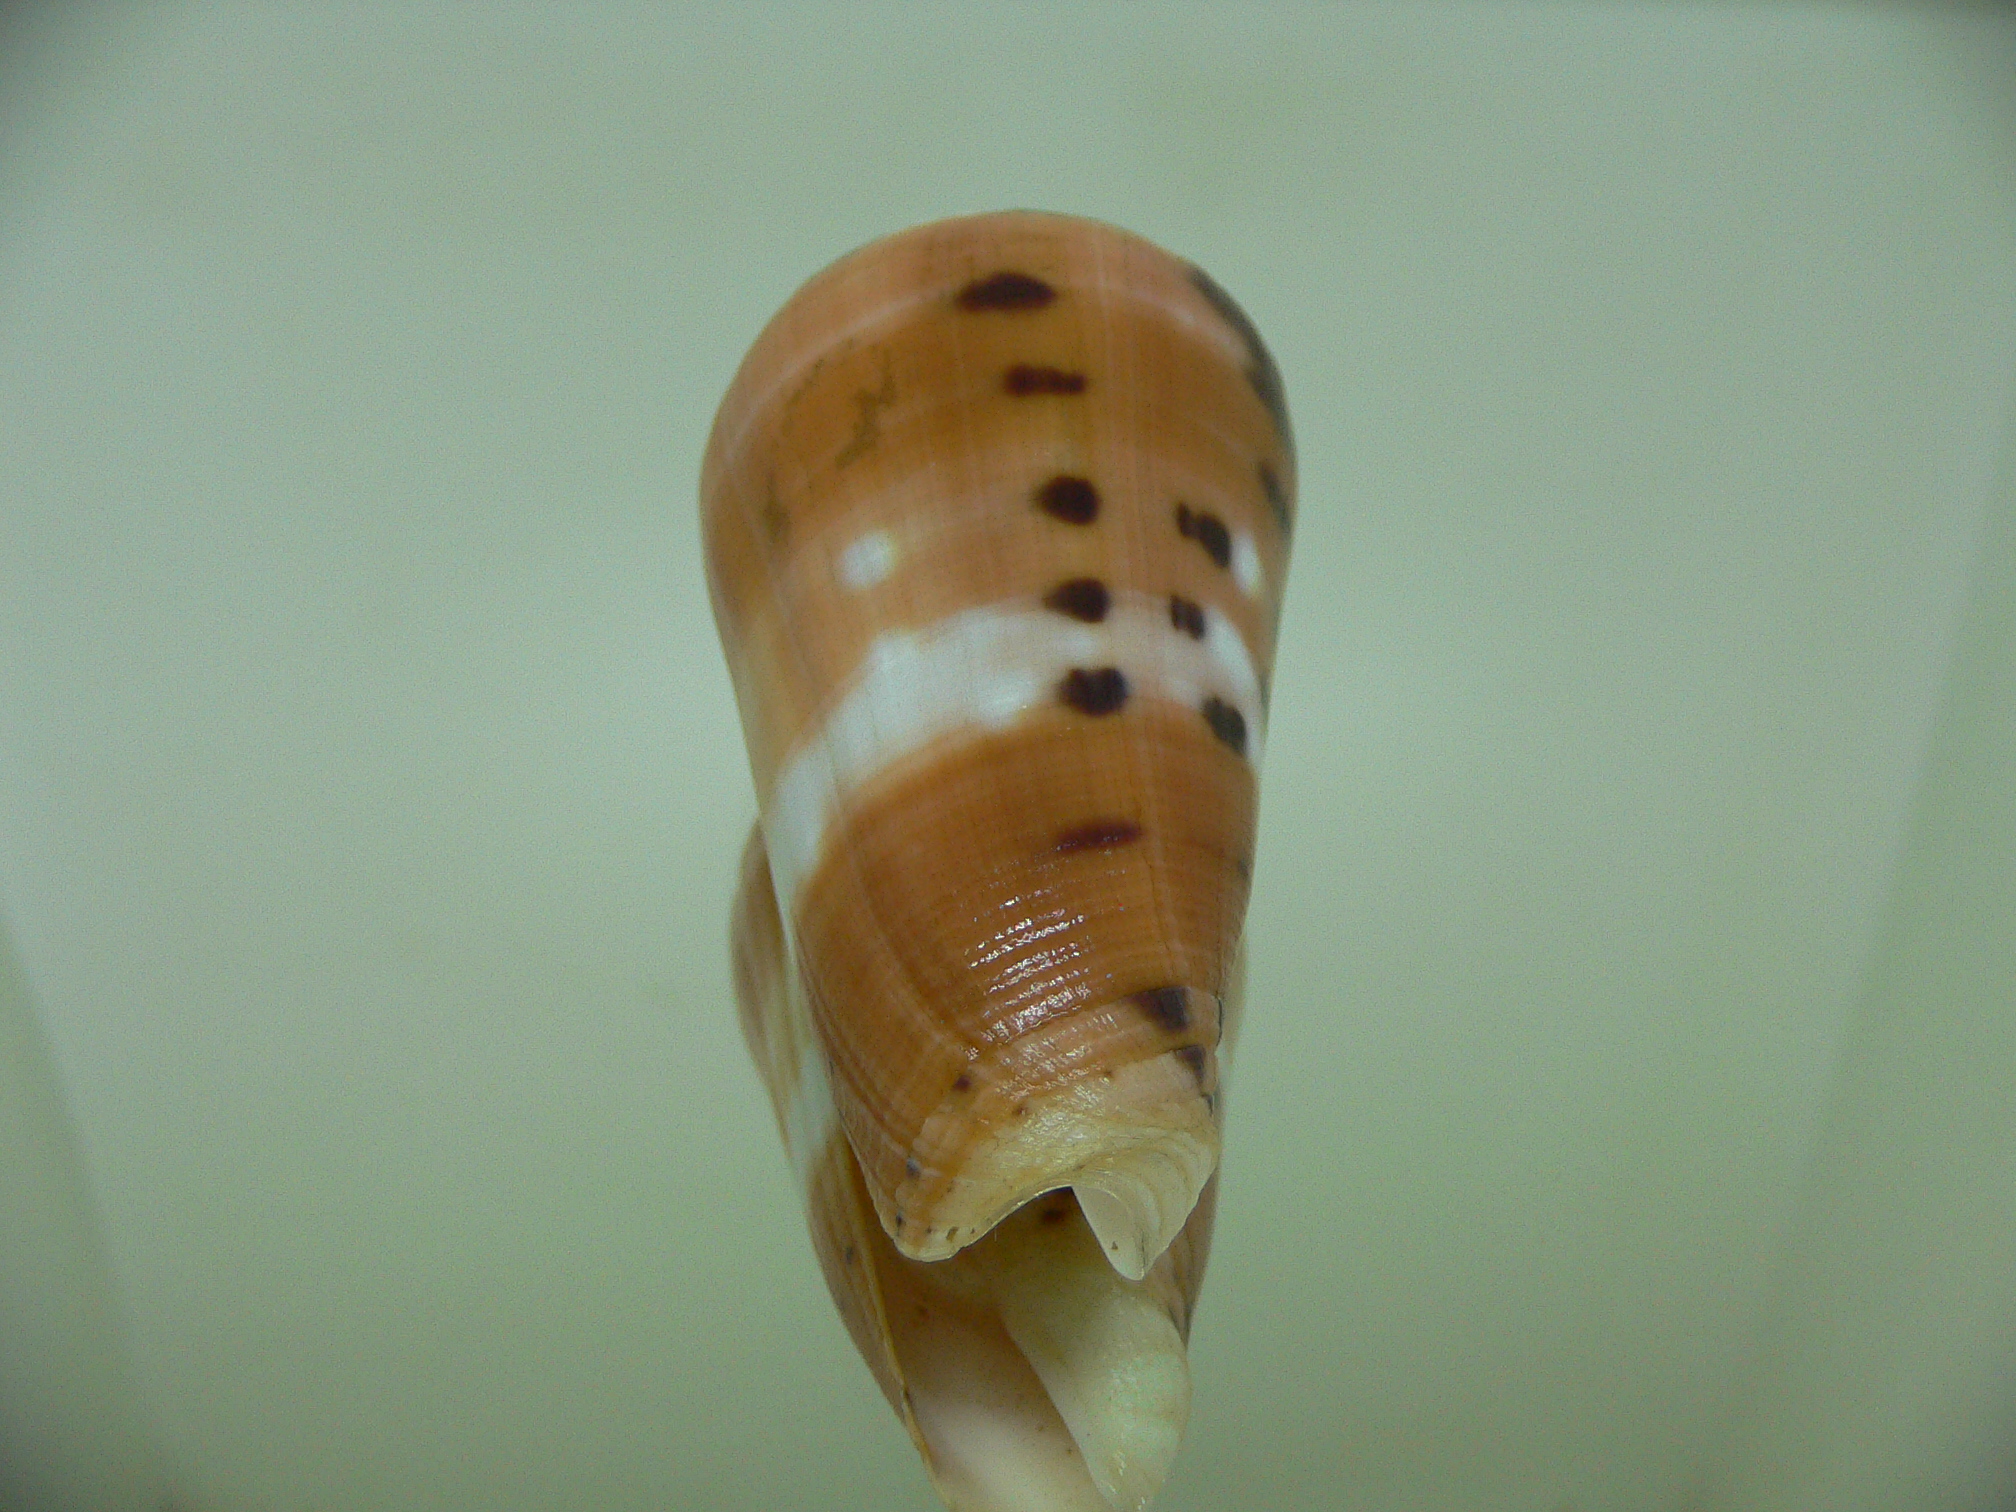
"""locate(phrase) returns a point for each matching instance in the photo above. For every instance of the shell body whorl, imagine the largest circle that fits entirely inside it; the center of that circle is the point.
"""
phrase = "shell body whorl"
(997, 515)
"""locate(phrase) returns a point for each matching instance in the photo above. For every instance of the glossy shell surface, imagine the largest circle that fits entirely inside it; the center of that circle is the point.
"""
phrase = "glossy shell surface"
(997, 516)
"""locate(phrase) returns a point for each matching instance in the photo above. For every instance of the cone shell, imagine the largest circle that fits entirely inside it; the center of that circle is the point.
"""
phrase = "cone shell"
(997, 516)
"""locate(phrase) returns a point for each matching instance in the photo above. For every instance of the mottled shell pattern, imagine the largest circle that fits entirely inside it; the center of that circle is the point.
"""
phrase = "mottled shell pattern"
(997, 516)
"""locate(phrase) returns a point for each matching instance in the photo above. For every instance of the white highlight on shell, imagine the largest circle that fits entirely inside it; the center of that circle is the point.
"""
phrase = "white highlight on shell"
(868, 560)
(984, 668)
(1246, 570)
(1227, 650)
(811, 1121)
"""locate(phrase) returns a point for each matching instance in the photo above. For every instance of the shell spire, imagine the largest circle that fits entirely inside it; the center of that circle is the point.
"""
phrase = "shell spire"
(997, 516)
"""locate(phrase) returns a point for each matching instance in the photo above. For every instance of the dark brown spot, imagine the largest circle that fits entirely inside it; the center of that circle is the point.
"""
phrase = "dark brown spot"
(962, 1083)
(853, 1254)
(1024, 379)
(1081, 598)
(1006, 290)
(1021, 1108)
(1100, 834)
(1100, 690)
(911, 1168)
(1193, 1057)
(1055, 1212)
(1207, 530)
(1227, 723)
(1073, 500)
(1186, 616)
(899, 1223)
(1168, 1006)
(1244, 866)
(1260, 370)
(1277, 498)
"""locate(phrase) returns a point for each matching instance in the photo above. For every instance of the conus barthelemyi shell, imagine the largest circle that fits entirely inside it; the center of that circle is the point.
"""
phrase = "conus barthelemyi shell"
(997, 516)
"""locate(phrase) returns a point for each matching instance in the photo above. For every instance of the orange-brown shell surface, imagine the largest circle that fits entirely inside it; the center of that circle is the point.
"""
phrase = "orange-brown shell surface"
(997, 517)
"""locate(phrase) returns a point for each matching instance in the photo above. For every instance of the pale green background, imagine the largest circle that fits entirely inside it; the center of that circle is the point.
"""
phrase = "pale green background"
(1626, 1115)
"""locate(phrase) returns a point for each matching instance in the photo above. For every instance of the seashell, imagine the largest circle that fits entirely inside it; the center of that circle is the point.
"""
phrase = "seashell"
(997, 515)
